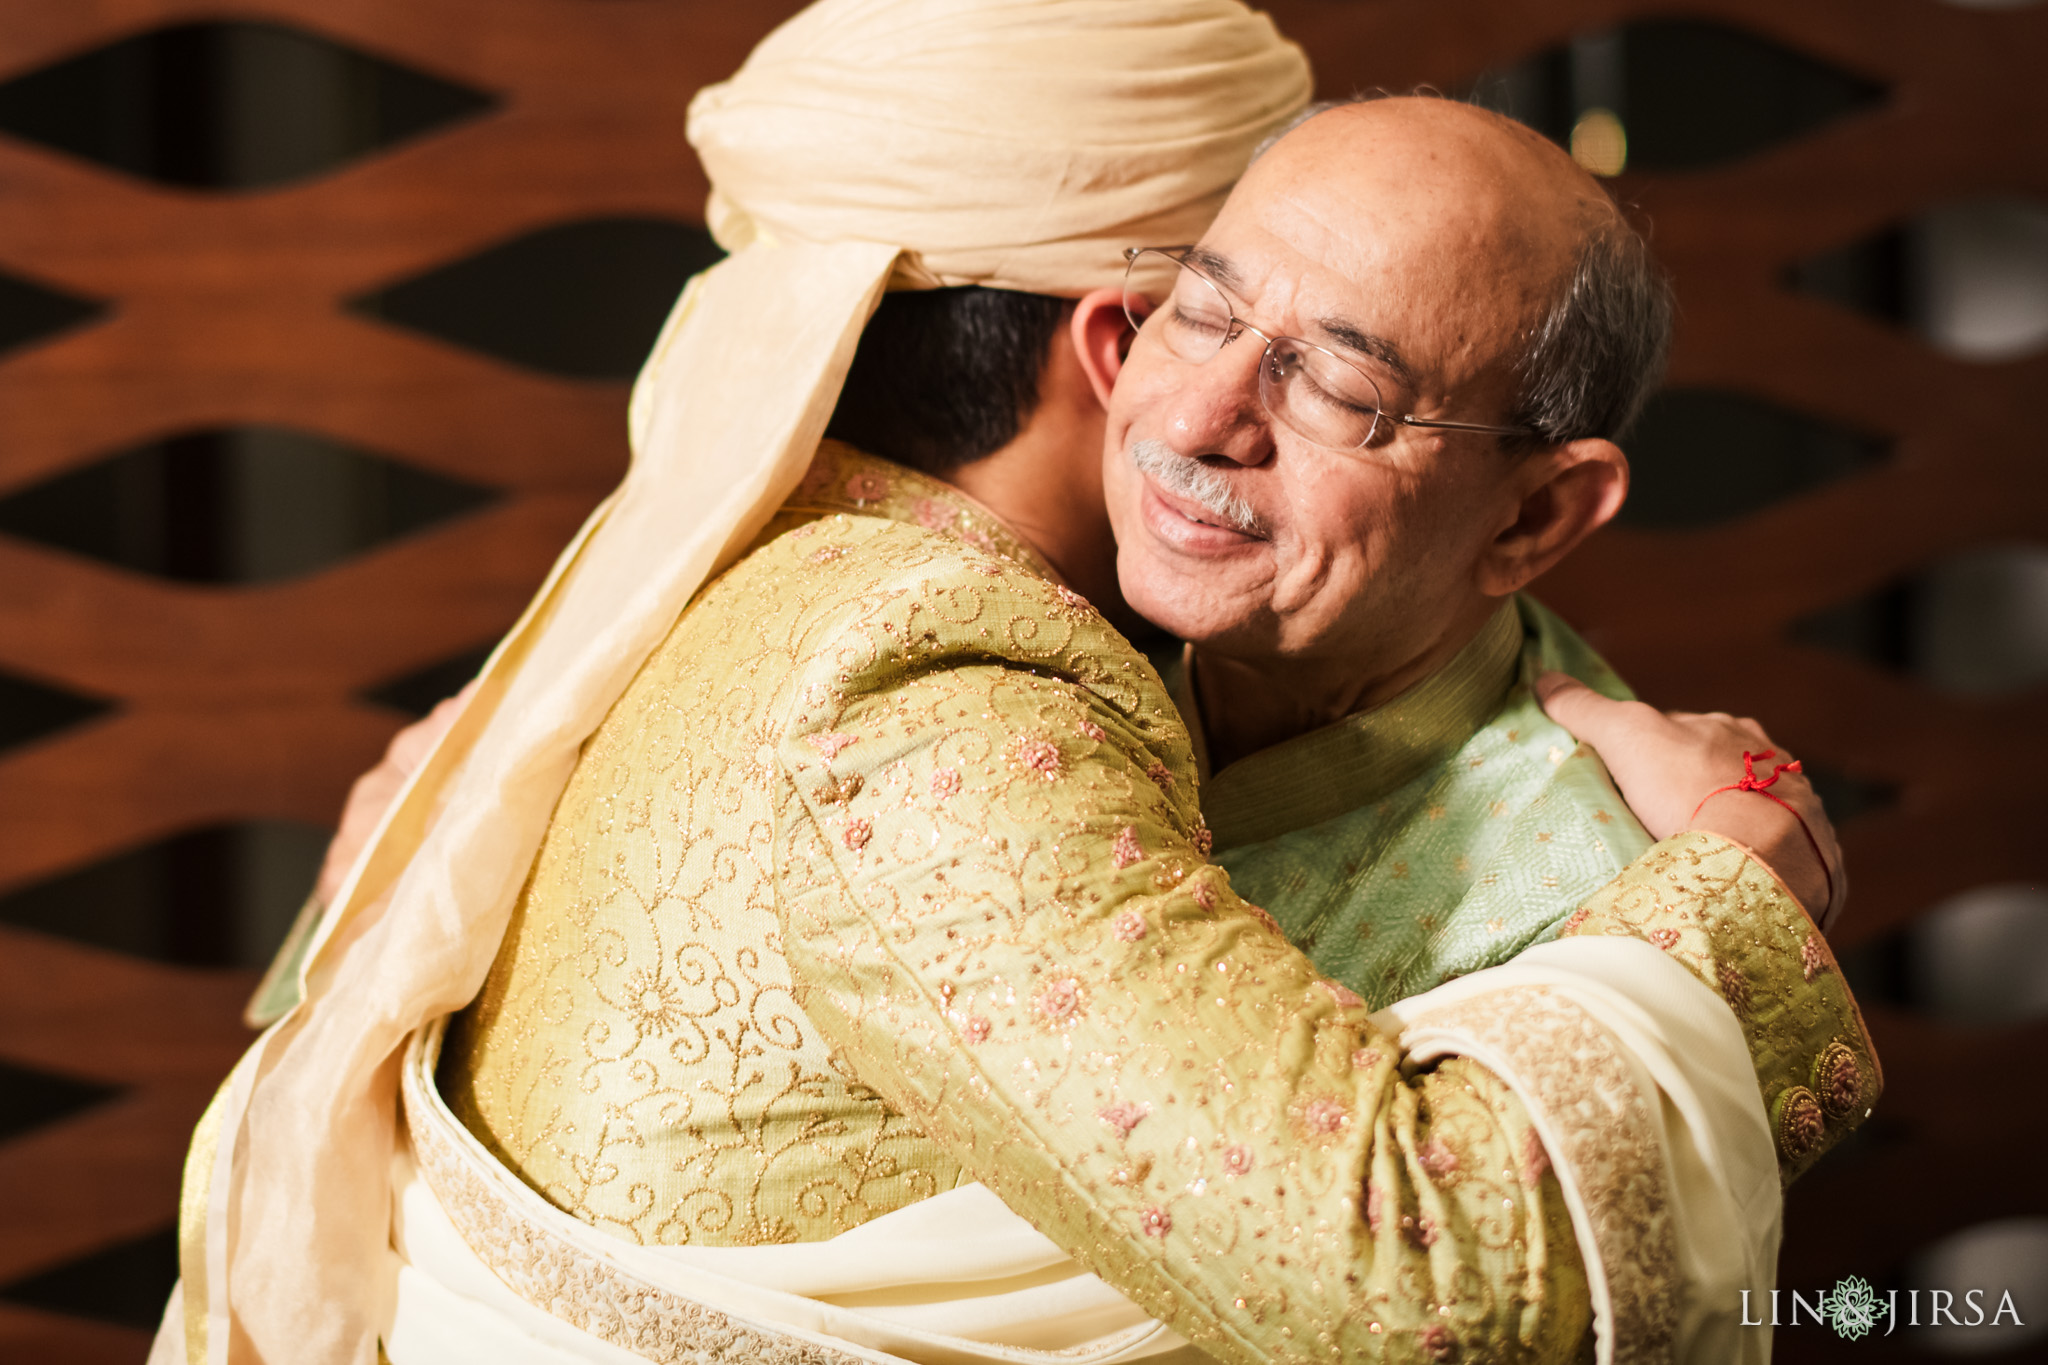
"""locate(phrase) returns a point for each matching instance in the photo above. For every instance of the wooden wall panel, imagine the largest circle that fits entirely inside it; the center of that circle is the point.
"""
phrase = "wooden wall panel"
(224, 310)
(244, 703)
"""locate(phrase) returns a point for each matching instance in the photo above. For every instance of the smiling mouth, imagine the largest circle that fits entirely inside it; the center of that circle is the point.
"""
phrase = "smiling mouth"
(1205, 519)
(1193, 492)
(1190, 525)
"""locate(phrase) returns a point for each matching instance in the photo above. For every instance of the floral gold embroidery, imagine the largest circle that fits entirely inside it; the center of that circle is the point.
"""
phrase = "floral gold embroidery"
(1122, 1118)
(1039, 755)
(1799, 1122)
(1060, 1001)
(829, 745)
(1126, 850)
(1838, 1079)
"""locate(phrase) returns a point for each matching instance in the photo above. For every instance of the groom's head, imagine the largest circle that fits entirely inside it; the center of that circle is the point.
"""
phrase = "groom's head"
(1408, 258)
(1004, 150)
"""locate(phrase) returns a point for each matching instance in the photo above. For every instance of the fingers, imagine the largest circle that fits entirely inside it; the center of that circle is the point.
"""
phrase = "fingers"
(409, 747)
(1570, 702)
(1600, 721)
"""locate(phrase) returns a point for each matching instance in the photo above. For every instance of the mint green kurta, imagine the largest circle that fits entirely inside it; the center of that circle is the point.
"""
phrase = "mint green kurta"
(1440, 833)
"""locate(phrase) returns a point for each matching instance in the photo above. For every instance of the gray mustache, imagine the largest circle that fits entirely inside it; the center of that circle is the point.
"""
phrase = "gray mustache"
(1195, 481)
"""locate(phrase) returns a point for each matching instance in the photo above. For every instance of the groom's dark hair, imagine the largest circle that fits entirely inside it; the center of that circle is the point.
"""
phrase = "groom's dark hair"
(945, 376)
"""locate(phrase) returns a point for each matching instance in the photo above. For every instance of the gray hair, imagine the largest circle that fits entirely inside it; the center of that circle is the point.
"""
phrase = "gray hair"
(1592, 360)
(1590, 364)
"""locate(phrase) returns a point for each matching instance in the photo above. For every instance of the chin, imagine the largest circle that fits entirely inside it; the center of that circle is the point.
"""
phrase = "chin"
(1173, 601)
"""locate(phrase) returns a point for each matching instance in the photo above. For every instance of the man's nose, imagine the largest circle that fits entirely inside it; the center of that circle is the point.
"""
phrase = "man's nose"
(1215, 409)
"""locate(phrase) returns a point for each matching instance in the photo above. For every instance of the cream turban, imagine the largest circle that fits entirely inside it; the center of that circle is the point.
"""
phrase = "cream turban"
(866, 144)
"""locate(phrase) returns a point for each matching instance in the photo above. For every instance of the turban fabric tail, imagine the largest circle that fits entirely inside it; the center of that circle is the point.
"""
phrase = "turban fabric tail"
(866, 145)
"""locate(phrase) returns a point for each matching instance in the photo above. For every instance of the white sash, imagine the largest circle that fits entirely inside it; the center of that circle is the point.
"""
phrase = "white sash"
(488, 1270)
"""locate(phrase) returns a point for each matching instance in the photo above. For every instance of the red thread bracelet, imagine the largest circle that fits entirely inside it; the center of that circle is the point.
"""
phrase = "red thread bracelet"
(1752, 783)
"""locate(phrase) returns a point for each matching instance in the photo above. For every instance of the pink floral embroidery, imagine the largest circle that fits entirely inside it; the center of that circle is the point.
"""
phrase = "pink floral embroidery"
(934, 515)
(858, 832)
(1205, 895)
(1438, 1343)
(1735, 988)
(1127, 849)
(1801, 1125)
(1093, 731)
(1258, 912)
(1373, 1205)
(1072, 598)
(1237, 1159)
(1129, 927)
(825, 554)
(828, 745)
(1204, 840)
(1124, 1116)
(1437, 1158)
(976, 1029)
(1813, 957)
(1344, 994)
(945, 783)
(1841, 1082)
(1365, 1059)
(1573, 921)
(1039, 755)
(1159, 773)
(817, 476)
(866, 487)
(1535, 1160)
(1667, 939)
(1420, 1232)
(979, 540)
(1156, 1221)
(1323, 1116)
(1060, 1000)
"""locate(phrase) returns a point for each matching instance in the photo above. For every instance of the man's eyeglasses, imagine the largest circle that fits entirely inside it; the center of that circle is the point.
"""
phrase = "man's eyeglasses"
(1311, 390)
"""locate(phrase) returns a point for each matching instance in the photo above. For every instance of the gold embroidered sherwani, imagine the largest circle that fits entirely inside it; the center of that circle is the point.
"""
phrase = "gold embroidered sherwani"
(887, 875)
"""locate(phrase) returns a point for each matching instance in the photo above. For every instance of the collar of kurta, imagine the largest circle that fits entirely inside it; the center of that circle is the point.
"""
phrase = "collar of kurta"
(845, 480)
(1359, 759)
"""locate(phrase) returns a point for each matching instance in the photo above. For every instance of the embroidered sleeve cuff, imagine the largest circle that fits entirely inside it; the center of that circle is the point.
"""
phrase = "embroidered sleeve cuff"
(1722, 915)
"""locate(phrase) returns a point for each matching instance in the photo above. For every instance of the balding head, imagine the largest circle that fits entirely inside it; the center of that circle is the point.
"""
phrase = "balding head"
(1460, 266)
(1597, 347)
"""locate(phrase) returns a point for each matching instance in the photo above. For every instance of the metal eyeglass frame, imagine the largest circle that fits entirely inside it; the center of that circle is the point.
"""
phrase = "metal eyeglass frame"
(1177, 254)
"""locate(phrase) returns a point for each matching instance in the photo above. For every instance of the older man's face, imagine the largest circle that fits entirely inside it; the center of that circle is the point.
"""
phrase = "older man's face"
(1417, 239)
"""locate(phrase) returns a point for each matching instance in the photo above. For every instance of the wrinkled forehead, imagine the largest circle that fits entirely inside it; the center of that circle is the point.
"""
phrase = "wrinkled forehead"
(1441, 232)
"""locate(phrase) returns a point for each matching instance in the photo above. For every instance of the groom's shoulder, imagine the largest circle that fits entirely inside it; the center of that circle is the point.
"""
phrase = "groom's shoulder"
(894, 597)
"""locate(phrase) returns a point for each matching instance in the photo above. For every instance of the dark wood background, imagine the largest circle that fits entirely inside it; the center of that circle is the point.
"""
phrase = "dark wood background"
(163, 711)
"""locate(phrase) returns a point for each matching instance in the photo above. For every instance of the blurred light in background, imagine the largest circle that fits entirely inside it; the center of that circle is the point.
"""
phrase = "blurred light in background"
(2010, 1255)
(1983, 278)
(1599, 143)
(1982, 957)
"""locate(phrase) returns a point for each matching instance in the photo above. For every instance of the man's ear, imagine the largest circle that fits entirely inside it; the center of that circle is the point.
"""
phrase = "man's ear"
(1567, 493)
(1101, 334)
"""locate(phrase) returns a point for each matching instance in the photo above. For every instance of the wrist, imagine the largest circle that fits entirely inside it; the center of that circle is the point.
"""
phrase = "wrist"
(1773, 836)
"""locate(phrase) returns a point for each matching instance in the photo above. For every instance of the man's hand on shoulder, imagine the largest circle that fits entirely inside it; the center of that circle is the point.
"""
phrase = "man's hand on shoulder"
(1680, 770)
